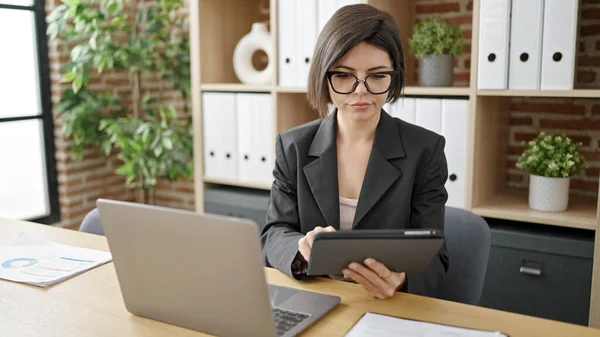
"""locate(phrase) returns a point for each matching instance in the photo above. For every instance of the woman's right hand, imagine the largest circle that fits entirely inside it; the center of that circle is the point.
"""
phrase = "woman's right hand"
(305, 243)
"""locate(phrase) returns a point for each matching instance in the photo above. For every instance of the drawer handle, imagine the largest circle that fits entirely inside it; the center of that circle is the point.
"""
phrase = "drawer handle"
(530, 271)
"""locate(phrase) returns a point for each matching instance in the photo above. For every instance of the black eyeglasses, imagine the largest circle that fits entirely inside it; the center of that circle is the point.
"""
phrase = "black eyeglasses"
(376, 83)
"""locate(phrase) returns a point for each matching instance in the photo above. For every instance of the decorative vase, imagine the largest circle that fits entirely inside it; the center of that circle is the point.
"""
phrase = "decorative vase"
(548, 194)
(257, 39)
(436, 70)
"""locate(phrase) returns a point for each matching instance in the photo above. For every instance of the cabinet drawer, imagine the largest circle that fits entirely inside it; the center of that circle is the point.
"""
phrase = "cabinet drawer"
(239, 212)
(539, 284)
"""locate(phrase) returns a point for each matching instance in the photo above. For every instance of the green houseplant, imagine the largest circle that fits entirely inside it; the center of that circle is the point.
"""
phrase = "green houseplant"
(150, 138)
(551, 160)
(435, 43)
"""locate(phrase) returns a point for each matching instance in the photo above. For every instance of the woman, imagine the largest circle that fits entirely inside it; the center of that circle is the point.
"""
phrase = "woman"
(356, 167)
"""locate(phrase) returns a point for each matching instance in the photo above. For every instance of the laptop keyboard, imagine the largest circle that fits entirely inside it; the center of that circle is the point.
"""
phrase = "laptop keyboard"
(285, 320)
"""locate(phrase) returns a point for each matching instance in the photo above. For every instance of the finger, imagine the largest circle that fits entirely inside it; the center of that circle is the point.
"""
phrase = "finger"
(304, 249)
(360, 279)
(329, 229)
(310, 237)
(373, 277)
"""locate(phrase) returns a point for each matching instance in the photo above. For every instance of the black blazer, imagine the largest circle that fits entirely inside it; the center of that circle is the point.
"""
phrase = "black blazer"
(403, 188)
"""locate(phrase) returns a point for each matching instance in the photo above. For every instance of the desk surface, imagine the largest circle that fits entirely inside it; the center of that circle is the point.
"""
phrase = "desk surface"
(90, 304)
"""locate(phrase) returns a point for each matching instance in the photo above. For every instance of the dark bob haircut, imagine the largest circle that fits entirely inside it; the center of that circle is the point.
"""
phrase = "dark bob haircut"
(347, 28)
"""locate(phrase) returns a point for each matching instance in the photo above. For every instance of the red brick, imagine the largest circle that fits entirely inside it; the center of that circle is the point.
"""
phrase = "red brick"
(462, 77)
(515, 178)
(591, 2)
(515, 150)
(168, 199)
(511, 163)
(584, 185)
(589, 30)
(586, 76)
(437, 8)
(591, 155)
(460, 20)
(582, 47)
(470, 6)
(577, 124)
(590, 13)
(597, 45)
(527, 136)
(521, 121)
(99, 176)
(468, 63)
(593, 172)
(468, 33)
(558, 108)
(596, 111)
(185, 189)
(588, 61)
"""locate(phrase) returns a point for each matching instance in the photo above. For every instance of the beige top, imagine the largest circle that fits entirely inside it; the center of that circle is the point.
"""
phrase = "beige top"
(347, 211)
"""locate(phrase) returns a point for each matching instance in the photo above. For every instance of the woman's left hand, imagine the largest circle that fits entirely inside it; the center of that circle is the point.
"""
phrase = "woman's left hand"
(375, 277)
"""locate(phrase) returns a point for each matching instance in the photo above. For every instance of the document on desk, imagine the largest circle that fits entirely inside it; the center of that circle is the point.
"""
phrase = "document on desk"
(377, 325)
(43, 263)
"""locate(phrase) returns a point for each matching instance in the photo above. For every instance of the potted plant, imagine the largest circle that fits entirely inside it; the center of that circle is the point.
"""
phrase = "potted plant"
(151, 139)
(435, 43)
(551, 160)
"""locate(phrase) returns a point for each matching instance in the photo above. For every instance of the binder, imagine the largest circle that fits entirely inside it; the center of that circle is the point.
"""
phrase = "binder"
(263, 150)
(286, 37)
(227, 132)
(494, 28)
(404, 108)
(210, 125)
(525, 62)
(428, 114)
(245, 136)
(454, 129)
(559, 43)
(325, 10)
(306, 38)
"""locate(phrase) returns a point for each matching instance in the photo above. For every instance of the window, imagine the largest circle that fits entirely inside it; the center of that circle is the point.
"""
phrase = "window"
(28, 186)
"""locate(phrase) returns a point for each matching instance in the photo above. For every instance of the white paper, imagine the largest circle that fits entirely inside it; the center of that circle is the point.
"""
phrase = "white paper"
(376, 325)
(43, 263)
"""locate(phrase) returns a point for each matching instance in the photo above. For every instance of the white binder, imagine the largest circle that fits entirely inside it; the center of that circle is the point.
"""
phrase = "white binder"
(454, 129)
(286, 12)
(246, 136)
(559, 42)
(325, 10)
(428, 114)
(306, 38)
(404, 108)
(210, 126)
(494, 28)
(525, 62)
(262, 127)
(227, 131)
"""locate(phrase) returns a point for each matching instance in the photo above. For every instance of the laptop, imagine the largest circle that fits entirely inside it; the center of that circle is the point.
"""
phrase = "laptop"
(202, 272)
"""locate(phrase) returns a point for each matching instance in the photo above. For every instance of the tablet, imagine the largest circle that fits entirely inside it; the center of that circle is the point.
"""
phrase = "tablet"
(406, 250)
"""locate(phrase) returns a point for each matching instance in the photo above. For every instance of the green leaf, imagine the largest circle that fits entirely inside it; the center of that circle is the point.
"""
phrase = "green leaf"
(68, 77)
(77, 83)
(167, 143)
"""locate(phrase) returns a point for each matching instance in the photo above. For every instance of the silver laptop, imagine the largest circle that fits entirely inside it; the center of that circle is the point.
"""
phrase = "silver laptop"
(202, 272)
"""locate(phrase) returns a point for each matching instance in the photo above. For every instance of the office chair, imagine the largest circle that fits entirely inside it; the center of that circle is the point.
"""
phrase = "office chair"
(468, 240)
(91, 223)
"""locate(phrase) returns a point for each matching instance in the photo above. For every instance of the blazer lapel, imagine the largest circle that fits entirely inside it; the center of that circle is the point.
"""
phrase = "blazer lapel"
(321, 173)
(381, 174)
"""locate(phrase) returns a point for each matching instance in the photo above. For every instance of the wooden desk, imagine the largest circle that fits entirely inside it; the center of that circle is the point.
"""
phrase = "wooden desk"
(90, 304)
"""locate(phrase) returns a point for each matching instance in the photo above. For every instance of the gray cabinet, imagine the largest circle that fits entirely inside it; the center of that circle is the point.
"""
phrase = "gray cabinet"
(237, 202)
(539, 271)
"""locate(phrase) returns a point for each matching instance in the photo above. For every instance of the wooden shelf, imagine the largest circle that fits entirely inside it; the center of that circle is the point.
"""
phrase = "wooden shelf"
(437, 91)
(512, 204)
(291, 90)
(577, 93)
(237, 183)
(235, 87)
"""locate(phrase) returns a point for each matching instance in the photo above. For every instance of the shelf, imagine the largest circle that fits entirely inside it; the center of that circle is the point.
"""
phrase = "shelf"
(437, 91)
(235, 87)
(578, 93)
(237, 183)
(292, 90)
(512, 204)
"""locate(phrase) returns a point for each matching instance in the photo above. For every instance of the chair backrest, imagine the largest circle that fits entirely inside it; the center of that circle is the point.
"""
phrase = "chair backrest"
(91, 223)
(468, 240)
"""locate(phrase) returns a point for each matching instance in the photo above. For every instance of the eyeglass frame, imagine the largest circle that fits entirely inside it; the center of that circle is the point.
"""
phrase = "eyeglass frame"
(330, 74)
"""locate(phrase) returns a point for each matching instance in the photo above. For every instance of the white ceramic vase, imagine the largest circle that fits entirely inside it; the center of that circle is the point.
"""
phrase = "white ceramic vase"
(548, 194)
(257, 39)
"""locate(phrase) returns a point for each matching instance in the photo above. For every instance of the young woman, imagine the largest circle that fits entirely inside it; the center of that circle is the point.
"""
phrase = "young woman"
(356, 167)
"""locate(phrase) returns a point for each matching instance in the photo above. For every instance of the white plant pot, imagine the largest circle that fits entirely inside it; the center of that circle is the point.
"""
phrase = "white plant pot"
(548, 194)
